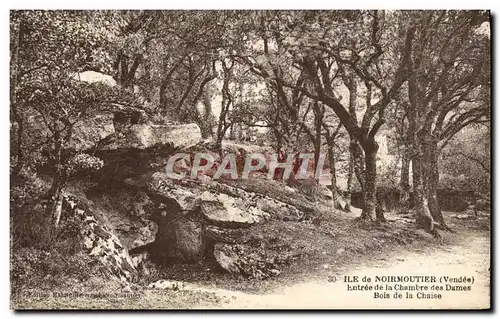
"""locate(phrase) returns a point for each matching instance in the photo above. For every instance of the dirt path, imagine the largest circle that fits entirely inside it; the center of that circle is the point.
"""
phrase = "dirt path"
(469, 258)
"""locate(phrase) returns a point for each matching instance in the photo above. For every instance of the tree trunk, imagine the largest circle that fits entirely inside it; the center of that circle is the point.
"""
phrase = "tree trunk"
(358, 162)
(350, 172)
(126, 75)
(52, 212)
(433, 181)
(206, 129)
(54, 207)
(404, 182)
(424, 218)
(222, 125)
(370, 187)
(318, 126)
(317, 151)
(333, 174)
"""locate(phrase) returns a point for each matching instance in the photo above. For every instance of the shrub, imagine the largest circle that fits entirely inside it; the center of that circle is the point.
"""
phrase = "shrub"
(47, 269)
(27, 187)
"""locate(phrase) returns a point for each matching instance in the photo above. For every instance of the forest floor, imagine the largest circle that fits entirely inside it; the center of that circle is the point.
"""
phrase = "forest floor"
(329, 251)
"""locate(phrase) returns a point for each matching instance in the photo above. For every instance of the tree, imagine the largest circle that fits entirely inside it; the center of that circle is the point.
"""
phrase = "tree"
(331, 134)
(47, 46)
(48, 50)
(448, 90)
(320, 56)
(466, 162)
(171, 57)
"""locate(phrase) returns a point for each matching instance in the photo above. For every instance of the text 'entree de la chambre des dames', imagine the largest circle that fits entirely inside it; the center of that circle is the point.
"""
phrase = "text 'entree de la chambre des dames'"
(408, 287)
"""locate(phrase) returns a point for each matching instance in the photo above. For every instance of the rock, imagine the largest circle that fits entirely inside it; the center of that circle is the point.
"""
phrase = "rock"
(342, 202)
(143, 263)
(98, 240)
(218, 208)
(180, 238)
(93, 77)
(183, 198)
(227, 211)
(465, 216)
(141, 235)
(167, 284)
(140, 258)
(227, 258)
(87, 133)
(142, 136)
(279, 210)
(126, 289)
(278, 207)
(128, 215)
(190, 239)
(140, 205)
(243, 260)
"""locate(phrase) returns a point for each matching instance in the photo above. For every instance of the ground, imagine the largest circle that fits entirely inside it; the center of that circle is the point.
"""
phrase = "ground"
(469, 257)
(326, 252)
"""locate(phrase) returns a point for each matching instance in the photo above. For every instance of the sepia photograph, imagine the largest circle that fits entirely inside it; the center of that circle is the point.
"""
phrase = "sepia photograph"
(250, 159)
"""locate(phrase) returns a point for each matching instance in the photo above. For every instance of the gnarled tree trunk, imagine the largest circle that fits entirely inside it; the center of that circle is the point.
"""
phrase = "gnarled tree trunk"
(333, 173)
(432, 184)
(370, 211)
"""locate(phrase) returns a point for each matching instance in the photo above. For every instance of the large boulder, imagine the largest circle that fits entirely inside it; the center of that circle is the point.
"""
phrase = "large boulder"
(180, 238)
(87, 133)
(163, 188)
(223, 210)
(93, 77)
(142, 136)
(226, 235)
(118, 127)
(218, 208)
(190, 239)
(186, 209)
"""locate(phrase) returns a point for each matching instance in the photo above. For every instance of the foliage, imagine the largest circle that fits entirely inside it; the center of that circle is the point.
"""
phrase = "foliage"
(465, 163)
(28, 187)
(84, 163)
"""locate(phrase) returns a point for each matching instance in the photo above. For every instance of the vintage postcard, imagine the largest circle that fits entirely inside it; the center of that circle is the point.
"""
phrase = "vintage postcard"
(305, 159)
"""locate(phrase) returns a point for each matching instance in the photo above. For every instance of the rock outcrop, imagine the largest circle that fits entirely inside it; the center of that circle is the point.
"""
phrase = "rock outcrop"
(97, 239)
(119, 127)
(127, 213)
(131, 213)
(224, 216)
(87, 133)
